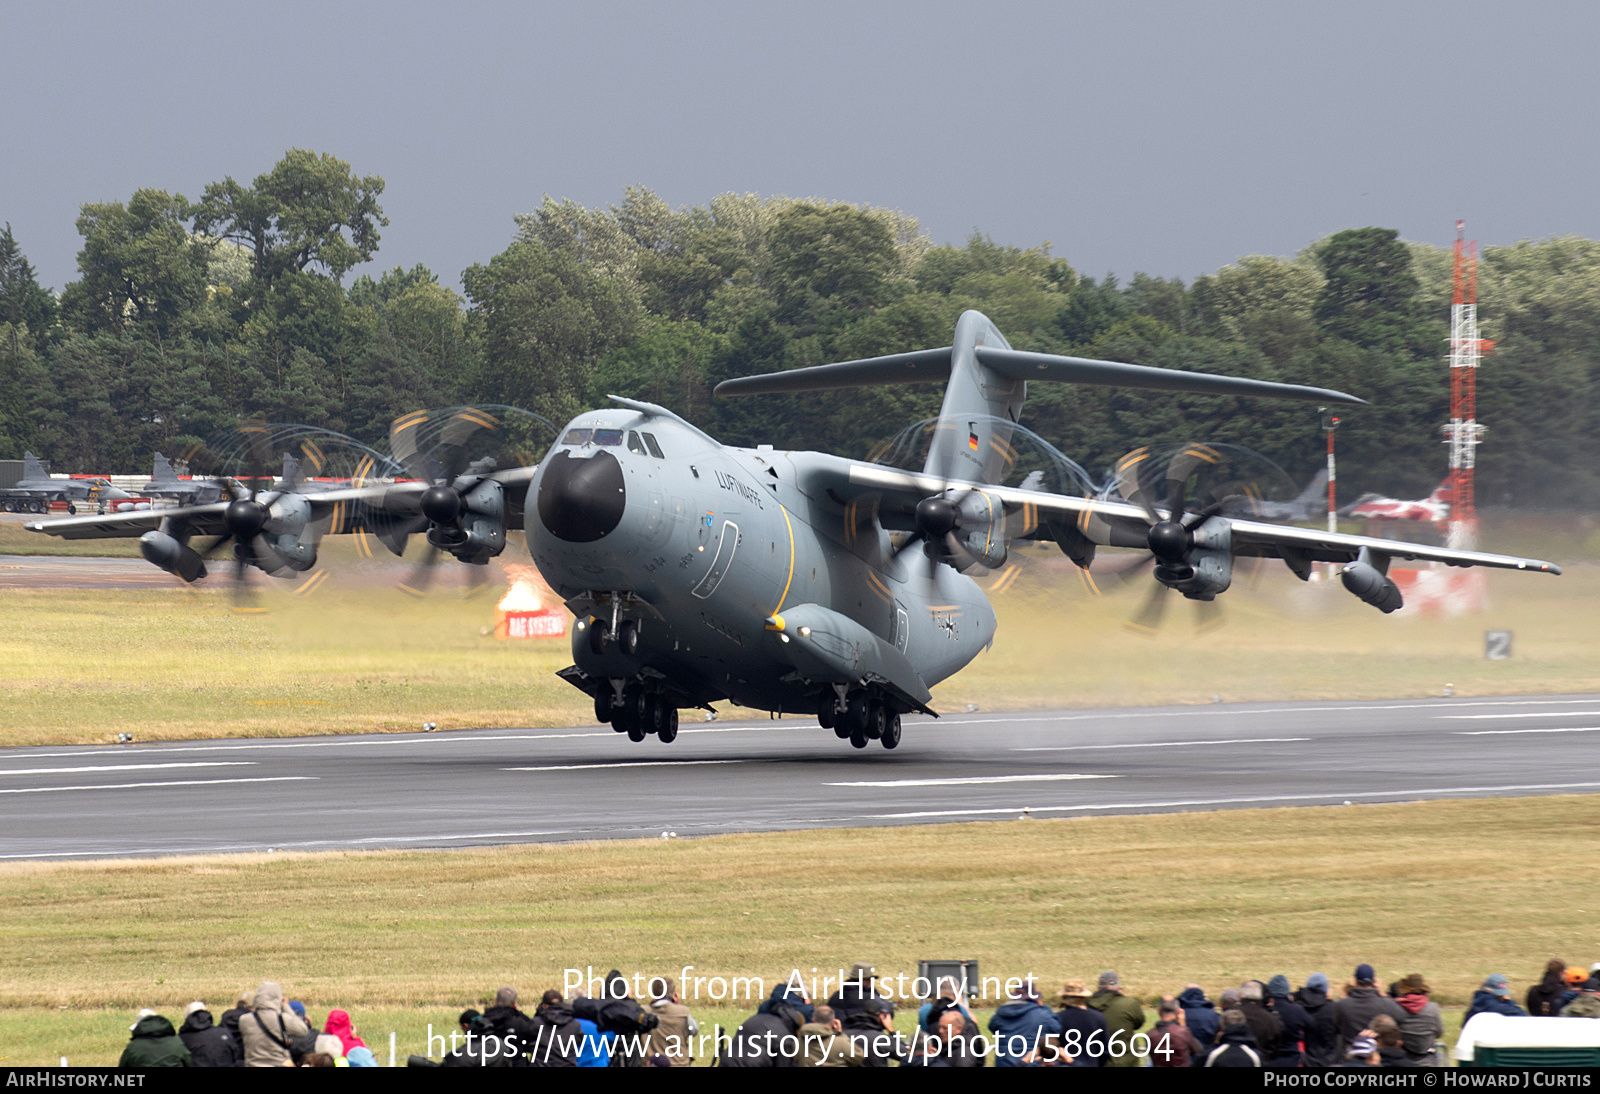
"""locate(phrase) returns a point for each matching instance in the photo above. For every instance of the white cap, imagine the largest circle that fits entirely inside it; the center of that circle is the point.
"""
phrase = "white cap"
(141, 1016)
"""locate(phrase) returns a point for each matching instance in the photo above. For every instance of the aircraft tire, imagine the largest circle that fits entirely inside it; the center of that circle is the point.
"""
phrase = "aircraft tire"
(858, 739)
(599, 636)
(828, 710)
(654, 716)
(636, 733)
(891, 731)
(669, 727)
(876, 717)
(628, 637)
(603, 705)
(841, 731)
(72, 510)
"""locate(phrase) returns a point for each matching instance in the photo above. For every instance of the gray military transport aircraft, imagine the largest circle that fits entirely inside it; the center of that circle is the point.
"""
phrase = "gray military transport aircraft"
(793, 582)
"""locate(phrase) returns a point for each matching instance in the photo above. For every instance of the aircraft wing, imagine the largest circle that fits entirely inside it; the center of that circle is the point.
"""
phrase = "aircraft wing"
(201, 520)
(1120, 524)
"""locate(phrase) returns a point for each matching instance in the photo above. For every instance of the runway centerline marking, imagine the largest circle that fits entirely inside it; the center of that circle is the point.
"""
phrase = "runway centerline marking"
(1229, 801)
(624, 763)
(1531, 714)
(180, 782)
(975, 780)
(1166, 744)
(124, 767)
(1510, 732)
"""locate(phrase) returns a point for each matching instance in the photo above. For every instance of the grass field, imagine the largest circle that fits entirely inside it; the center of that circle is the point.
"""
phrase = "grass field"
(1453, 889)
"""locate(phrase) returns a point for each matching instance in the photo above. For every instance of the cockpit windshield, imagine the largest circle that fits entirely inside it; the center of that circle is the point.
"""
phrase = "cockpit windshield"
(576, 436)
(608, 436)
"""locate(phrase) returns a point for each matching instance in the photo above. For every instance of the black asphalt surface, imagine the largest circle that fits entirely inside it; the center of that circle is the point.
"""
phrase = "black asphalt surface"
(515, 786)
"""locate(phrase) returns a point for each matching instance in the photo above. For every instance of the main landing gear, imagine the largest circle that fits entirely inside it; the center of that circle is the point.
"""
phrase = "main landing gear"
(865, 715)
(640, 713)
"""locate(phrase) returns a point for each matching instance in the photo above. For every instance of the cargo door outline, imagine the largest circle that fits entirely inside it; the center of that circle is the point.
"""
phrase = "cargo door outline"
(719, 565)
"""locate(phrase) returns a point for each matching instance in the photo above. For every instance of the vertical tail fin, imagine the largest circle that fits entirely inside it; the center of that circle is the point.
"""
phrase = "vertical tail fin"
(973, 440)
(32, 468)
(162, 471)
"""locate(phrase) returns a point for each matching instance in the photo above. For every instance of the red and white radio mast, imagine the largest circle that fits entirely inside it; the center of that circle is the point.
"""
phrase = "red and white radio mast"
(1463, 433)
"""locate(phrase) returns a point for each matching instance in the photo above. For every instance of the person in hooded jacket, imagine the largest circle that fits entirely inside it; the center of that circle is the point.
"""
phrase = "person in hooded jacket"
(758, 1042)
(1423, 1024)
(620, 1015)
(1362, 1003)
(1200, 1016)
(1494, 996)
(512, 1030)
(269, 1028)
(1548, 989)
(1021, 1025)
(1236, 1045)
(1322, 1034)
(340, 1026)
(1295, 1022)
(558, 1035)
(153, 1044)
(209, 1045)
(230, 1017)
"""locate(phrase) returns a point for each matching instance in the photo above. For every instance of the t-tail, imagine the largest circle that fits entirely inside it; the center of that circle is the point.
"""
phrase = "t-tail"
(986, 383)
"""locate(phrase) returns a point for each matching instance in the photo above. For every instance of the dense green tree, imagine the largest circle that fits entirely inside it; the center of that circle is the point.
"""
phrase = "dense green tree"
(832, 256)
(140, 265)
(1369, 294)
(25, 305)
(547, 320)
(309, 210)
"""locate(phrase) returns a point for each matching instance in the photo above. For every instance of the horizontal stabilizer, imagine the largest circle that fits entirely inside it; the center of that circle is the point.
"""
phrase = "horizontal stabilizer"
(1020, 365)
(924, 366)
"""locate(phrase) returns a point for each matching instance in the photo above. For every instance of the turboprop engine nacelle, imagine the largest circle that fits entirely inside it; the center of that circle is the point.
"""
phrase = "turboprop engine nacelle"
(178, 559)
(1209, 562)
(982, 531)
(1367, 577)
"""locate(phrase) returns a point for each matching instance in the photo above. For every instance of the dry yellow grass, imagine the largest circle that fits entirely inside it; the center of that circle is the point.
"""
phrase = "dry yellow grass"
(1455, 889)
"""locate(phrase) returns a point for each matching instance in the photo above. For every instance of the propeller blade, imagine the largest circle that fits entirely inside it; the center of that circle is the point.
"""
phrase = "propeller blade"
(240, 593)
(421, 576)
(1148, 621)
(1130, 482)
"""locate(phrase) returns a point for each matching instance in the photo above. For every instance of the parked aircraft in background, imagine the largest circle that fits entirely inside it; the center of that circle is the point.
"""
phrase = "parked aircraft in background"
(36, 490)
(1435, 508)
(165, 484)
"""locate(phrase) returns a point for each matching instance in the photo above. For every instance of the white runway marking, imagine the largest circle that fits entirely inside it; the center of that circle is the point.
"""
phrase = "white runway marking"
(1507, 732)
(1231, 801)
(1211, 711)
(124, 767)
(976, 780)
(1531, 714)
(1166, 744)
(635, 763)
(137, 786)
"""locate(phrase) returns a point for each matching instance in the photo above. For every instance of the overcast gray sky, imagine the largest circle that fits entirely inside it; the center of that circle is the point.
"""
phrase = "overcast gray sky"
(1167, 138)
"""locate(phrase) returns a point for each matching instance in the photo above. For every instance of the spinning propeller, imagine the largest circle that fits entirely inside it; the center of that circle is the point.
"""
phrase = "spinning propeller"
(446, 466)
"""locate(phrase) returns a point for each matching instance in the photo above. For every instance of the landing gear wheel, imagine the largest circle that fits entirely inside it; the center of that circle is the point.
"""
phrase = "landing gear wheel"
(876, 716)
(603, 703)
(599, 636)
(636, 706)
(841, 730)
(628, 637)
(891, 731)
(827, 710)
(858, 738)
(72, 510)
(669, 725)
(655, 713)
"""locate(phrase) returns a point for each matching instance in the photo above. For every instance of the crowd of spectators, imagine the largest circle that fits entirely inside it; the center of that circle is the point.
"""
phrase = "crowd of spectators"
(1260, 1023)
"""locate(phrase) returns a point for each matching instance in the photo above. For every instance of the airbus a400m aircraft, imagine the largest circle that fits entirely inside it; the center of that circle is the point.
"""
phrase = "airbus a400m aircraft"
(795, 582)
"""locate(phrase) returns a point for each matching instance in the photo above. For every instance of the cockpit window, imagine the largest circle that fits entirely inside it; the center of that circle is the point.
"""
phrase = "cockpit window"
(576, 436)
(634, 443)
(608, 436)
(655, 449)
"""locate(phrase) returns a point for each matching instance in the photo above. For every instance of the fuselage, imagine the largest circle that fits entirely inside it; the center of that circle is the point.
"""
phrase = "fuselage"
(640, 516)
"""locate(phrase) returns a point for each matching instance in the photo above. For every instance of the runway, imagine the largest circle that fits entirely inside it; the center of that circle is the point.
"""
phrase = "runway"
(73, 572)
(552, 785)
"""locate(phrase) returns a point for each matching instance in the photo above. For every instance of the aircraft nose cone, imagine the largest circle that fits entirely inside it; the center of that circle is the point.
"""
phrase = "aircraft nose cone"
(582, 500)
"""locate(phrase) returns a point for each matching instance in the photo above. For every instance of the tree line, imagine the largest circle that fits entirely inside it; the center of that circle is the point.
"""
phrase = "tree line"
(190, 315)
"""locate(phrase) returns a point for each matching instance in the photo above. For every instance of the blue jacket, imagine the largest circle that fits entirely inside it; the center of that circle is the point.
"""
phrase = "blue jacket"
(1030, 1021)
(1485, 1000)
(1200, 1016)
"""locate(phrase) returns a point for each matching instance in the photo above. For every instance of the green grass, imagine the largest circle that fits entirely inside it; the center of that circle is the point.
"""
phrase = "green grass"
(15, 541)
(1452, 889)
